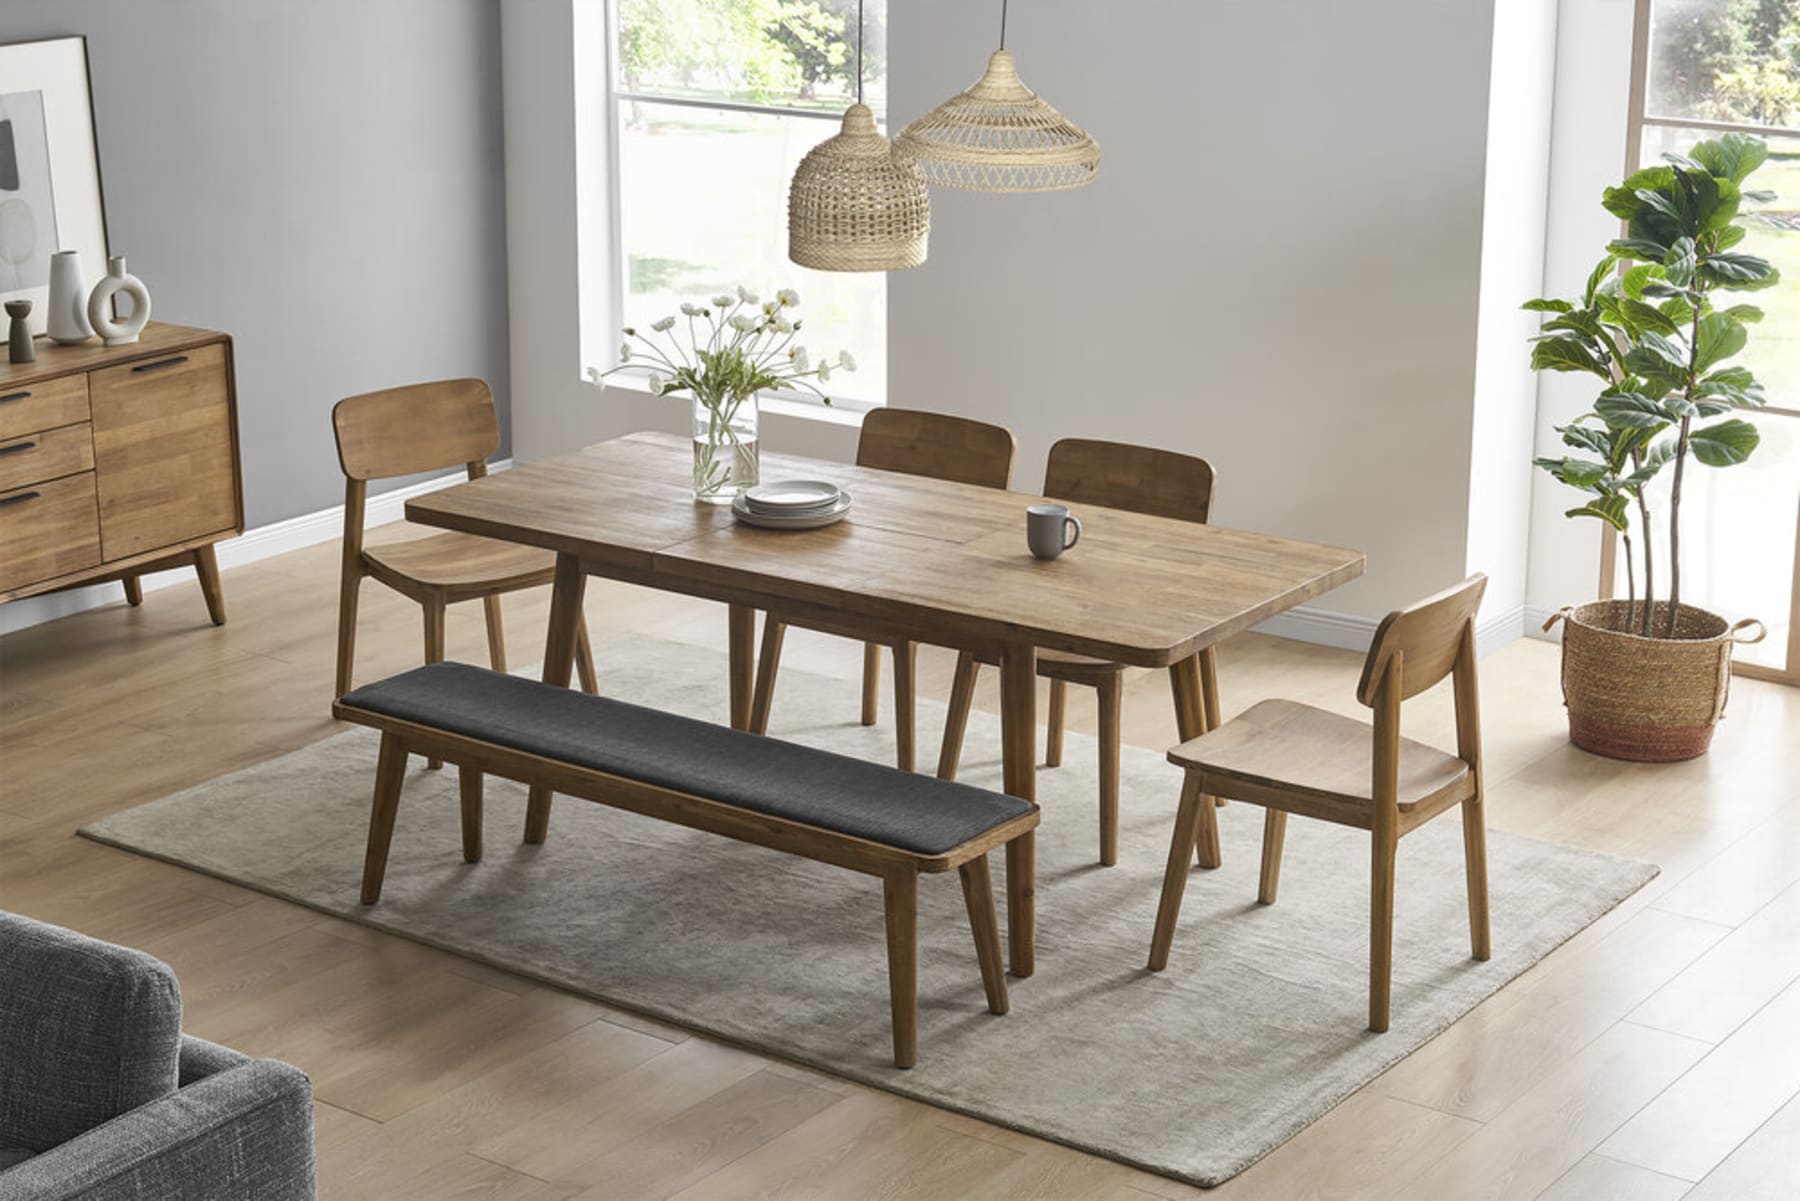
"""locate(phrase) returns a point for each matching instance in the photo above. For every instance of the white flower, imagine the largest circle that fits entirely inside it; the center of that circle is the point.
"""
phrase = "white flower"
(655, 382)
(783, 325)
(845, 361)
(664, 325)
(625, 352)
(722, 301)
(788, 297)
(690, 310)
(824, 372)
(742, 322)
(769, 307)
(798, 355)
(746, 295)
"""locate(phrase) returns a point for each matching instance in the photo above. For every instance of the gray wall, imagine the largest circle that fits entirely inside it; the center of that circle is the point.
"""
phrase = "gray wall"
(321, 179)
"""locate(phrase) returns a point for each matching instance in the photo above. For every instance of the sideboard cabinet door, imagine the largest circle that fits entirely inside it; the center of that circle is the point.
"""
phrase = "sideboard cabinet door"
(163, 451)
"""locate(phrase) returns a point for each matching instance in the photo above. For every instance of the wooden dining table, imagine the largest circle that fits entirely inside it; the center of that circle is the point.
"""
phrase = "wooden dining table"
(916, 558)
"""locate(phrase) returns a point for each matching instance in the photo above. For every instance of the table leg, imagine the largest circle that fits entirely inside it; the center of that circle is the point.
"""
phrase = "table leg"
(1191, 721)
(559, 661)
(743, 664)
(1018, 737)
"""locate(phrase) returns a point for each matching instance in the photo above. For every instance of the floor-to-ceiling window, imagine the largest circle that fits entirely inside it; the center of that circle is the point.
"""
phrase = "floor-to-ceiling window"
(1701, 68)
(714, 103)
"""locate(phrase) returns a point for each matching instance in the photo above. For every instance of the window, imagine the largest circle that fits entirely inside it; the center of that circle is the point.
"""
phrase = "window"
(714, 103)
(1704, 67)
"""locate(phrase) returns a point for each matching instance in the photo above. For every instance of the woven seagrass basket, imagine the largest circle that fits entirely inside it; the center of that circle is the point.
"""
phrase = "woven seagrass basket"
(1649, 700)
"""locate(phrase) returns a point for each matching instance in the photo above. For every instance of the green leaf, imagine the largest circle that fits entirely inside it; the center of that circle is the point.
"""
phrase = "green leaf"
(1657, 202)
(1747, 313)
(1613, 510)
(1731, 235)
(1547, 306)
(1566, 354)
(1736, 268)
(1725, 444)
(1638, 248)
(1717, 337)
(1578, 321)
(1733, 384)
(1656, 458)
(1597, 276)
(1679, 262)
(1670, 353)
(1641, 275)
(1582, 437)
(1760, 196)
(1643, 316)
(1631, 410)
(1577, 473)
(1732, 155)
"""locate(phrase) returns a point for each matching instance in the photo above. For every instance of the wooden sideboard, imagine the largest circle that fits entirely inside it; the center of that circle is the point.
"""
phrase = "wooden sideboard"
(116, 461)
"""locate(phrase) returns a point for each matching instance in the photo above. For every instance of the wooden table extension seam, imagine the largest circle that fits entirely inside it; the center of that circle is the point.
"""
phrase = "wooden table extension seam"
(929, 560)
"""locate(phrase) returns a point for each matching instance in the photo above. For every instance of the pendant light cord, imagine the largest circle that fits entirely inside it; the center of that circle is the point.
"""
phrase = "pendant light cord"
(1002, 24)
(859, 49)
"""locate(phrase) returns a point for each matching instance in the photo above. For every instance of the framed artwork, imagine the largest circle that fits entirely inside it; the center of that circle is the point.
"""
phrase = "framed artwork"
(50, 196)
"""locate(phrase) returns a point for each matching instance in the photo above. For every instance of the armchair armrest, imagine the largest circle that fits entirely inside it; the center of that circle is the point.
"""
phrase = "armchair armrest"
(241, 1132)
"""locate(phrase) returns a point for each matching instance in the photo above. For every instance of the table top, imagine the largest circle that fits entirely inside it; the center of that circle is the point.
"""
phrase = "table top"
(941, 561)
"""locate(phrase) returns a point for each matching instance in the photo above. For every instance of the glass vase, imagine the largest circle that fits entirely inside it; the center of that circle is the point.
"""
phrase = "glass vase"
(725, 448)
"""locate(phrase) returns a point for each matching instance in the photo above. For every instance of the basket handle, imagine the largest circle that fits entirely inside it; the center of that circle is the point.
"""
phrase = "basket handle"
(1762, 631)
(1558, 616)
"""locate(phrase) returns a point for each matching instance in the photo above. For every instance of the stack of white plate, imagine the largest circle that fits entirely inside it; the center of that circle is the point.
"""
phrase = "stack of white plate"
(792, 505)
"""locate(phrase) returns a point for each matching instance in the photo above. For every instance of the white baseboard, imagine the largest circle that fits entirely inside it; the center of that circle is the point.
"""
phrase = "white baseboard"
(1349, 632)
(1534, 624)
(264, 542)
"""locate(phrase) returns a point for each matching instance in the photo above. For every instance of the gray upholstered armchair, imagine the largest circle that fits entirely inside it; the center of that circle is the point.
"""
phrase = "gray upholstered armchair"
(103, 1098)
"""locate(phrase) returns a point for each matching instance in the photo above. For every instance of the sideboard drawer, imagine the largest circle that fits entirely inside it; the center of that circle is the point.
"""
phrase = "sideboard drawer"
(43, 406)
(46, 456)
(163, 451)
(48, 530)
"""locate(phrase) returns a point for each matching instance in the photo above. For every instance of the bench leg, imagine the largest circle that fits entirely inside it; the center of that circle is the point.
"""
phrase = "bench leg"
(768, 662)
(900, 895)
(984, 923)
(390, 774)
(1181, 845)
(469, 782)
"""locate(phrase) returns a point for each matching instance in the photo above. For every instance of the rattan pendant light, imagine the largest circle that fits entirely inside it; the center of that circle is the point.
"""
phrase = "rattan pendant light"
(999, 136)
(853, 206)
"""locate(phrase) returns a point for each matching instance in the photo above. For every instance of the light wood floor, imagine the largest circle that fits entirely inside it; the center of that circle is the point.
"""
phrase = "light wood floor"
(1656, 1055)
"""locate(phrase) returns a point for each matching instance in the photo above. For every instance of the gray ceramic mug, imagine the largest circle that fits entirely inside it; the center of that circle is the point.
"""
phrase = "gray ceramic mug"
(1050, 530)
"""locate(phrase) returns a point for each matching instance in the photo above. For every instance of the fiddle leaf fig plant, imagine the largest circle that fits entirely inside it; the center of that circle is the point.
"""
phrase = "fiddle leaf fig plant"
(1648, 326)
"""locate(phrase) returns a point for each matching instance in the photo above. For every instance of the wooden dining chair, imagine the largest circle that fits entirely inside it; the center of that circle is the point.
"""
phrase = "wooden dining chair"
(936, 445)
(1293, 758)
(1113, 475)
(428, 427)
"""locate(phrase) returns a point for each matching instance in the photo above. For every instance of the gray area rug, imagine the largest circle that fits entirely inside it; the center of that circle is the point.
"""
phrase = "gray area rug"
(1256, 1029)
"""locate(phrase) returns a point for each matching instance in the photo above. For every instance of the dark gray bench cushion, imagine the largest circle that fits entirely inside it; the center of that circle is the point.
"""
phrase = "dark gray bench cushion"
(916, 813)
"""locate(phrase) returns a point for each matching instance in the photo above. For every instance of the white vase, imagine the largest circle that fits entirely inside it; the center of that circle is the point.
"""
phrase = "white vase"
(66, 318)
(100, 305)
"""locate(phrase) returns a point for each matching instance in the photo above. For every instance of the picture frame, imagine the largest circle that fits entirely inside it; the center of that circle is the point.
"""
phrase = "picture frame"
(50, 194)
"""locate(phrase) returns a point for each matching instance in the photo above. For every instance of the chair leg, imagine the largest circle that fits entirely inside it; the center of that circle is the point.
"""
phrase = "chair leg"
(1381, 926)
(346, 632)
(906, 666)
(768, 663)
(1209, 688)
(984, 923)
(134, 590)
(871, 682)
(496, 633)
(468, 781)
(390, 774)
(1274, 835)
(1168, 910)
(1112, 700)
(434, 647)
(956, 721)
(1053, 723)
(1475, 867)
(584, 658)
(900, 896)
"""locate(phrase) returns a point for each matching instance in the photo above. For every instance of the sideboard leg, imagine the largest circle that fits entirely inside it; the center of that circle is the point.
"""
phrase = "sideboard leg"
(206, 565)
(134, 591)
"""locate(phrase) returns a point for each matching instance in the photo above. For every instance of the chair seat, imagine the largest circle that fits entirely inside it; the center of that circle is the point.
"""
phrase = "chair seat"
(1295, 748)
(453, 561)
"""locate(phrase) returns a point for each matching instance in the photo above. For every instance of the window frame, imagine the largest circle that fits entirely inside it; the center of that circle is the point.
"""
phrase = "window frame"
(792, 400)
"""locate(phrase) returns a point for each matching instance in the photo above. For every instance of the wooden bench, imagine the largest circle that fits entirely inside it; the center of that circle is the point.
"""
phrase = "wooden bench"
(864, 816)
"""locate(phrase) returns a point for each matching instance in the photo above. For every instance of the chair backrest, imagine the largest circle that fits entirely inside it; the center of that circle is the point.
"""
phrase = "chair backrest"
(1427, 636)
(1142, 479)
(936, 445)
(420, 427)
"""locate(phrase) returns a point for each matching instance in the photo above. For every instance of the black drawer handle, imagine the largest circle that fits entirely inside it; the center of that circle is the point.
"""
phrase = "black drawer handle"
(18, 498)
(16, 448)
(13, 396)
(177, 361)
